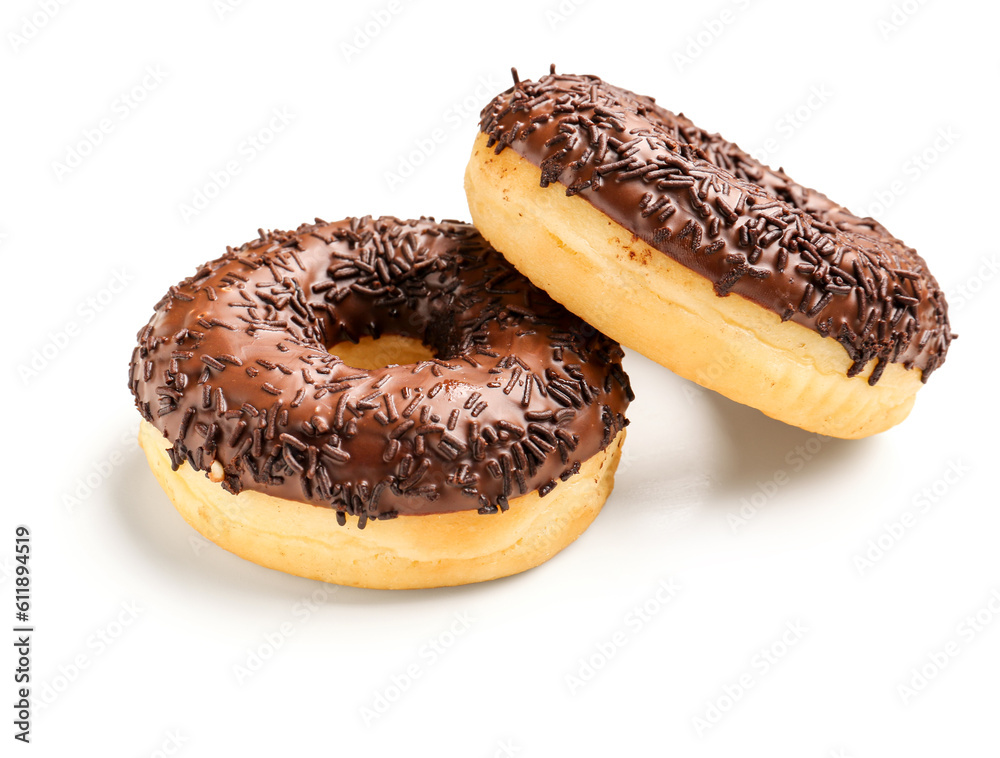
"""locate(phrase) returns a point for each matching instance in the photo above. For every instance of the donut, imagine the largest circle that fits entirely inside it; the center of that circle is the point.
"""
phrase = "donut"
(488, 449)
(683, 247)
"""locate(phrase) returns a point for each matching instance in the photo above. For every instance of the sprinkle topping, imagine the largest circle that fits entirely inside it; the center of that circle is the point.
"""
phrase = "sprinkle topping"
(710, 206)
(233, 368)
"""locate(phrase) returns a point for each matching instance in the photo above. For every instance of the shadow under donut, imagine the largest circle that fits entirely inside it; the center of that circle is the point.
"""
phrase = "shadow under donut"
(756, 448)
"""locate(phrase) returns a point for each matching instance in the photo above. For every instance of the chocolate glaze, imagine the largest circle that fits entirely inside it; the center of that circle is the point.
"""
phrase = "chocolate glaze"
(233, 367)
(745, 227)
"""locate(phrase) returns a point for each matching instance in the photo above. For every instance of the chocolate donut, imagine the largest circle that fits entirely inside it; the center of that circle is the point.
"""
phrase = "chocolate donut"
(233, 372)
(668, 217)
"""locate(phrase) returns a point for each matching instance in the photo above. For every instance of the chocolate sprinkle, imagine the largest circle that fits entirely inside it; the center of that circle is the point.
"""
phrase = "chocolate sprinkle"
(747, 228)
(433, 437)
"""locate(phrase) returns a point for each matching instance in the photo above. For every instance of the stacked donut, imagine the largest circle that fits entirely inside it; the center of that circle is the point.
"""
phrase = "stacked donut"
(395, 404)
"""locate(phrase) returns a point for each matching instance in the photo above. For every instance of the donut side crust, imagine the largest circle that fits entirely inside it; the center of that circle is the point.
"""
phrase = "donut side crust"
(408, 552)
(671, 314)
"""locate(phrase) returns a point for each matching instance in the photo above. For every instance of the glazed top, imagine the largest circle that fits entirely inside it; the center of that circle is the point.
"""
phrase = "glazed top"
(233, 367)
(716, 210)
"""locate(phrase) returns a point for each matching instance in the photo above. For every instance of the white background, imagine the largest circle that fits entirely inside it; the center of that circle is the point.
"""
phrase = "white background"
(147, 636)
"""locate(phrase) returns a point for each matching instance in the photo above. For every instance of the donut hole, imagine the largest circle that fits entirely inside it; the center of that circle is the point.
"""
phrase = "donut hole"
(390, 349)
